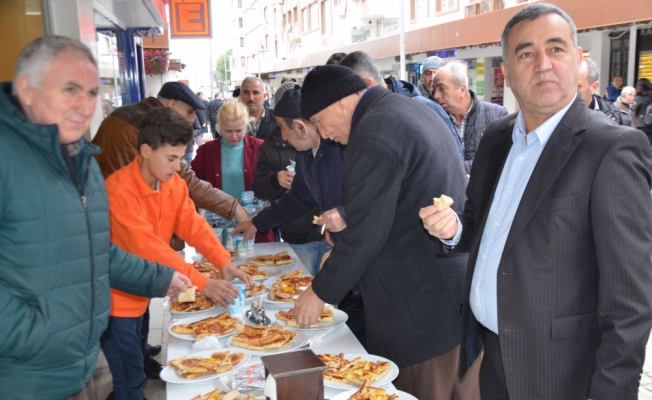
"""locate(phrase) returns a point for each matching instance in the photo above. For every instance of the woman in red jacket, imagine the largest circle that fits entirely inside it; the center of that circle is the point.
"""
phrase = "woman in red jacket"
(229, 163)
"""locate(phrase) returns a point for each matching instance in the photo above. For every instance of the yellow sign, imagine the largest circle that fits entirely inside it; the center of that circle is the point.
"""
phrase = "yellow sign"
(479, 68)
(190, 18)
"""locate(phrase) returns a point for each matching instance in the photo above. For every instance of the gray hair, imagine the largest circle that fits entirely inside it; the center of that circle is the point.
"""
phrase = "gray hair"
(627, 90)
(532, 12)
(35, 60)
(459, 72)
(362, 64)
(594, 71)
(253, 79)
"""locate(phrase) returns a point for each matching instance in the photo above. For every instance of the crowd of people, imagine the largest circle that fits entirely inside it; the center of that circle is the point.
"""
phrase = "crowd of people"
(535, 284)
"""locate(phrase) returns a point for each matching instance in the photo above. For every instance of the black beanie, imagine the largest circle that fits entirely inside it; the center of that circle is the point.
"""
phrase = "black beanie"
(326, 85)
(288, 105)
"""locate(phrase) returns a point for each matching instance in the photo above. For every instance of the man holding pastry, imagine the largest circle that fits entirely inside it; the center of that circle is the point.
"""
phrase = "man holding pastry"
(394, 165)
(318, 182)
(557, 223)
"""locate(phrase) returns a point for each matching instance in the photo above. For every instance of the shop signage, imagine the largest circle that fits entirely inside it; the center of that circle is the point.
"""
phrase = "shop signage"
(446, 53)
(190, 18)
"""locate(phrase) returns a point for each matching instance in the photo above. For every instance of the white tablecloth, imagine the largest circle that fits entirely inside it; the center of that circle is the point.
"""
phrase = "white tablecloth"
(341, 340)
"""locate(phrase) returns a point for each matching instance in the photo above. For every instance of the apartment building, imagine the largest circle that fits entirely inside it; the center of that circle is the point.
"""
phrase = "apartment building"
(274, 38)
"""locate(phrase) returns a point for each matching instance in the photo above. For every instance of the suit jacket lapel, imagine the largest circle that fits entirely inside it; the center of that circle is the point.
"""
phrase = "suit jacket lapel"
(499, 152)
(558, 150)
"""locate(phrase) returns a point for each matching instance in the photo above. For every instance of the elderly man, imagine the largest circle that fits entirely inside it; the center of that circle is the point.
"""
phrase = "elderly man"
(430, 67)
(252, 94)
(118, 136)
(273, 179)
(587, 87)
(469, 115)
(317, 183)
(411, 301)
(56, 260)
(363, 65)
(558, 223)
(626, 102)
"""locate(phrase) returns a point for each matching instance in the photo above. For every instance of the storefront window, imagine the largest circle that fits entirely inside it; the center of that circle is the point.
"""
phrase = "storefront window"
(109, 64)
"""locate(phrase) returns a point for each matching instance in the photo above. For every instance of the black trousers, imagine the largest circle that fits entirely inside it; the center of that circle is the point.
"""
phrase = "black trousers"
(493, 385)
(352, 305)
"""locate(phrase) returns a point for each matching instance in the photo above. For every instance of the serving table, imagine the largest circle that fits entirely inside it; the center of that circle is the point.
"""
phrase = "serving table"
(341, 340)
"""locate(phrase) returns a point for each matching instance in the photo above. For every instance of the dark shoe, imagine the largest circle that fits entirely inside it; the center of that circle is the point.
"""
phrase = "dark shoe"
(154, 350)
(153, 371)
(111, 396)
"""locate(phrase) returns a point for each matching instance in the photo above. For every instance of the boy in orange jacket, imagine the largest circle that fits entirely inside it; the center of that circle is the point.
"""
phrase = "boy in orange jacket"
(148, 202)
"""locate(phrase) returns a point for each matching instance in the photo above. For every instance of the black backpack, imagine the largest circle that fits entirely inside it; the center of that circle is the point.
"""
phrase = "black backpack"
(644, 115)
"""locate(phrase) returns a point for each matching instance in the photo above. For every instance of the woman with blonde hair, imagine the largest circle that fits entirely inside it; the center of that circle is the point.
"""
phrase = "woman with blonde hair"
(229, 163)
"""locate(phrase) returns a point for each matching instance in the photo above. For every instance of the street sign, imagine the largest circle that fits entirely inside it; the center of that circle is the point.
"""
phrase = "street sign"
(190, 19)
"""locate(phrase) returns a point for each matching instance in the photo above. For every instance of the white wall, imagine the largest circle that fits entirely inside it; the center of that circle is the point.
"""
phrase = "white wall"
(599, 45)
(153, 83)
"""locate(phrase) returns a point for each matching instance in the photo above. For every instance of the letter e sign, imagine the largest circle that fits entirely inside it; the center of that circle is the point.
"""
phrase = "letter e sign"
(190, 18)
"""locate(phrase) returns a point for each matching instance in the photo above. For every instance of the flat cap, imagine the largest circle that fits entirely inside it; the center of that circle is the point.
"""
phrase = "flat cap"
(180, 92)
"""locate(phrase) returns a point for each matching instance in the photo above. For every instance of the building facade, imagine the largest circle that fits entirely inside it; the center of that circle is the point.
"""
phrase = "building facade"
(289, 37)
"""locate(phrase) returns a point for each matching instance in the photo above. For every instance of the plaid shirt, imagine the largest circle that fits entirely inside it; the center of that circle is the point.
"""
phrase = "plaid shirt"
(252, 127)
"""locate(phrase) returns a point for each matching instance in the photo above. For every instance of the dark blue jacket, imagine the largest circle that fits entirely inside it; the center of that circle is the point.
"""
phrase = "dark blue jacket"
(318, 182)
(409, 90)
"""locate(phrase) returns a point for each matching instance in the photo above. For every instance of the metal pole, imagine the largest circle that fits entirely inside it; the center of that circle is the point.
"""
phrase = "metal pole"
(402, 73)
(631, 57)
(210, 70)
(225, 79)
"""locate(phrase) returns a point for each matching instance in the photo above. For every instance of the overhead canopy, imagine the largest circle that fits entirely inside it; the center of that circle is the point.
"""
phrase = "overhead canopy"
(132, 13)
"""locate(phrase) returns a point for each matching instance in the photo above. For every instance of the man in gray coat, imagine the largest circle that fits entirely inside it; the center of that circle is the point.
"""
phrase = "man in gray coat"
(411, 297)
(470, 115)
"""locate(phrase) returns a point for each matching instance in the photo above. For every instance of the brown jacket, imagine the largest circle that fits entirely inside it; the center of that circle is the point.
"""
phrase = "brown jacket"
(118, 137)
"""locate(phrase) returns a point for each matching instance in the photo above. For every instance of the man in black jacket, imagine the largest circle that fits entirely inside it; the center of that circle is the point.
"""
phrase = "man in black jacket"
(394, 164)
(469, 115)
(273, 179)
(587, 87)
(252, 94)
(202, 115)
(212, 109)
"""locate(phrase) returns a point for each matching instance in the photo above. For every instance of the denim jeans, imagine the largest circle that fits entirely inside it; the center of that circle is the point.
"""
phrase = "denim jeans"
(125, 354)
(310, 254)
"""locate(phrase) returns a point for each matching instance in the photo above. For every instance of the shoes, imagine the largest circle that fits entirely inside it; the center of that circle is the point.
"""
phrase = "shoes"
(154, 350)
(153, 371)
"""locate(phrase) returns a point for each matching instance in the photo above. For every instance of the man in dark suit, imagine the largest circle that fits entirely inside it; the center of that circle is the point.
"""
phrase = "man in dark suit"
(558, 225)
(211, 110)
(411, 297)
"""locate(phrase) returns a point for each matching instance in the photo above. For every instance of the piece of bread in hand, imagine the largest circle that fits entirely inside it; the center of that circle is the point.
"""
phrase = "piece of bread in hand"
(188, 295)
(443, 202)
